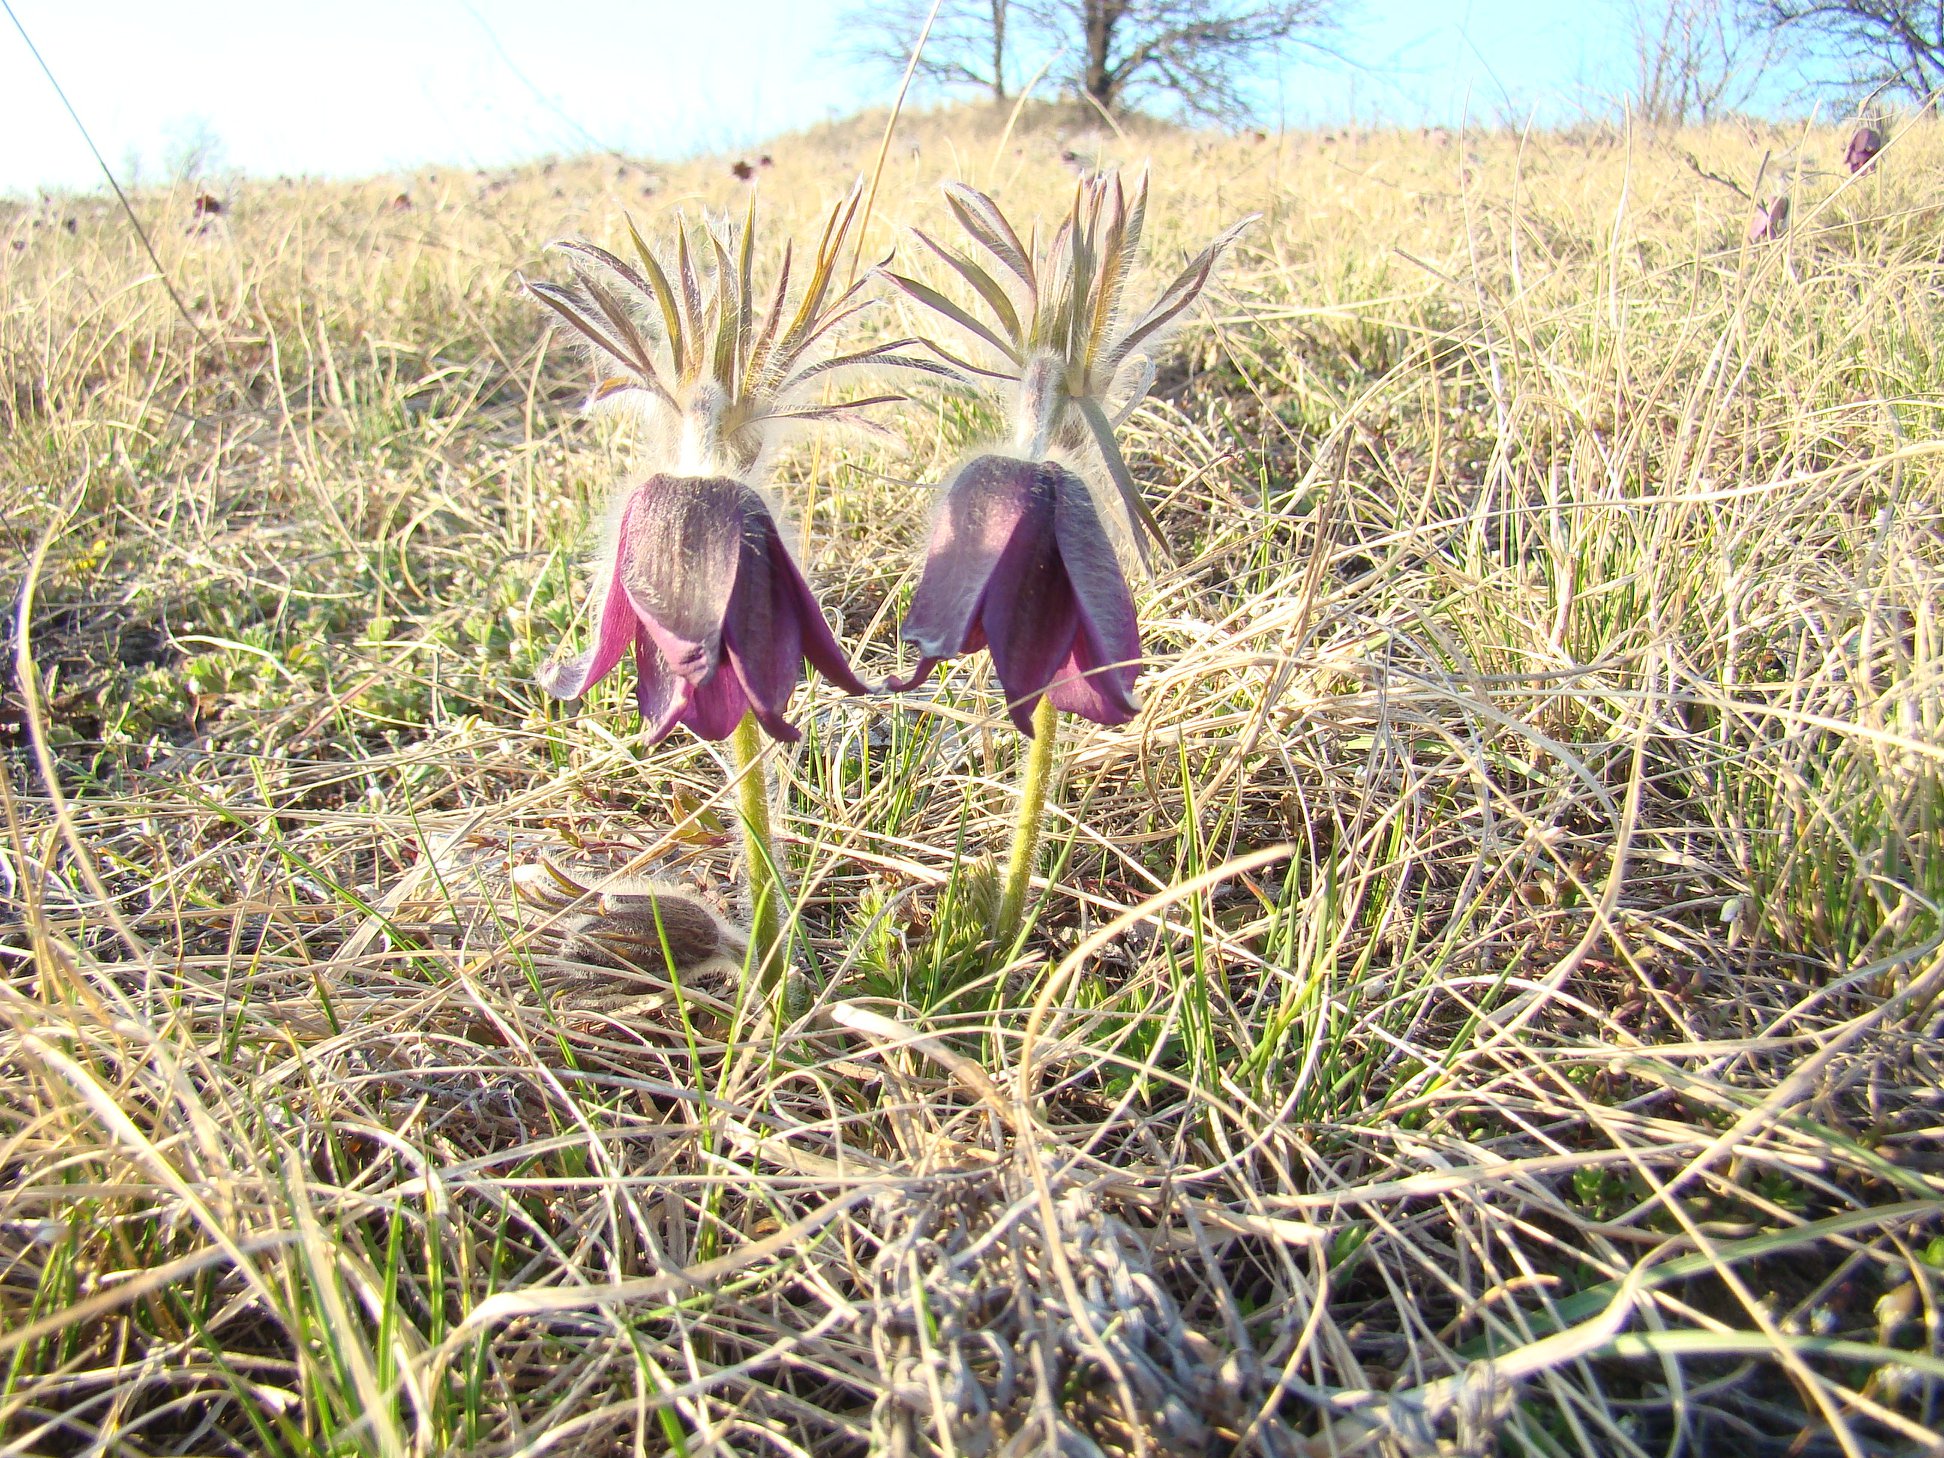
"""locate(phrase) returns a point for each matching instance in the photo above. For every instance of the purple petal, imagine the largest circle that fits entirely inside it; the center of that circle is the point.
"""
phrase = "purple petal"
(762, 637)
(679, 553)
(1108, 644)
(715, 707)
(1863, 147)
(910, 681)
(572, 677)
(659, 694)
(1083, 686)
(819, 644)
(1029, 613)
(984, 508)
(772, 719)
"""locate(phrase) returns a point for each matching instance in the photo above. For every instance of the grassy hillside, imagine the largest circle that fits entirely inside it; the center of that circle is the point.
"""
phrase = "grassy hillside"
(1554, 637)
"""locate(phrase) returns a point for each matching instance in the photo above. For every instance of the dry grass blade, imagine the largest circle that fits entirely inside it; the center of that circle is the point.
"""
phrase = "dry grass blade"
(1558, 580)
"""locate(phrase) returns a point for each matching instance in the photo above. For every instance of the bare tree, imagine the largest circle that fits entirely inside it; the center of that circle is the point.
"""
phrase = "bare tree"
(1694, 59)
(969, 45)
(1884, 43)
(1195, 53)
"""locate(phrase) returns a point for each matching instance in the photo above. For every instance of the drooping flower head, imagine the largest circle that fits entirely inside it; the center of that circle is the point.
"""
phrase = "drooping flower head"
(700, 585)
(696, 577)
(1771, 220)
(1864, 144)
(1021, 562)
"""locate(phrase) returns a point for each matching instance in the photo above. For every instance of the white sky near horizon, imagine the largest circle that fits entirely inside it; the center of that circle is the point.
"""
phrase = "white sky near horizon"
(360, 87)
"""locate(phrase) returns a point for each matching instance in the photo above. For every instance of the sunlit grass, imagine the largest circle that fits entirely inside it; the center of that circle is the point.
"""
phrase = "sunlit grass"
(1552, 636)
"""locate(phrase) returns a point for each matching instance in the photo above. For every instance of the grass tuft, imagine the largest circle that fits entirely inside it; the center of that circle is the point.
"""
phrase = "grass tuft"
(1490, 996)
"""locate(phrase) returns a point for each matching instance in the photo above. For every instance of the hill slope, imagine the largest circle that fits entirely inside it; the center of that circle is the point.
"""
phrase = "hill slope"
(1557, 577)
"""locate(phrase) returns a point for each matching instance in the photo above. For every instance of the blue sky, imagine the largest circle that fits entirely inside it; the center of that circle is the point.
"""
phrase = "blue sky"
(359, 87)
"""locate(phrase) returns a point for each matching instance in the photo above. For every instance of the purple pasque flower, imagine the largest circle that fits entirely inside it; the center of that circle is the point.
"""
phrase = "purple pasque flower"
(1021, 565)
(1020, 562)
(1771, 221)
(1864, 145)
(697, 579)
(700, 585)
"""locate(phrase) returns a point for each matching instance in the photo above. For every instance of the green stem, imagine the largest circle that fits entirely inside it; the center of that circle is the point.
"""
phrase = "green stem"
(759, 849)
(1034, 776)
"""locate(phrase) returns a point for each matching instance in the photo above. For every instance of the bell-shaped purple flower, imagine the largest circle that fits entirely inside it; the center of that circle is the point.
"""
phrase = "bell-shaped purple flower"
(1771, 221)
(700, 584)
(1863, 148)
(1021, 565)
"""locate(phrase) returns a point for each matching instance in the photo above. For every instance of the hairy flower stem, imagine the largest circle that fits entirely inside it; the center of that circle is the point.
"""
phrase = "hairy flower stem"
(1034, 777)
(765, 868)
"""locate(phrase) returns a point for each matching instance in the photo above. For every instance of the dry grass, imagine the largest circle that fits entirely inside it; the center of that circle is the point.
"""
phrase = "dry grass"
(1489, 997)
